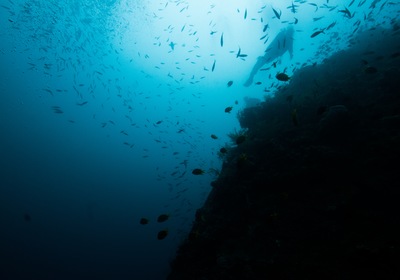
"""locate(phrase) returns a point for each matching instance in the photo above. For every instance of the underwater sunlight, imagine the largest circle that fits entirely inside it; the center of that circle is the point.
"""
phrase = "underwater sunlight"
(117, 117)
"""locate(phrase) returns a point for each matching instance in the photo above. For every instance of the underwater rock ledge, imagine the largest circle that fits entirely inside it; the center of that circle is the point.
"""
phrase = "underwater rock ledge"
(311, 193)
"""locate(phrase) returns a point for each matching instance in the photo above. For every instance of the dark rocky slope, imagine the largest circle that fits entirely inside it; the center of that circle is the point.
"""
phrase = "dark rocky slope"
(313, 191)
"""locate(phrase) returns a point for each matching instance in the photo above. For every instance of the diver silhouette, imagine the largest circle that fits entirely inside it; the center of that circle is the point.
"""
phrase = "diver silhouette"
(282, 43)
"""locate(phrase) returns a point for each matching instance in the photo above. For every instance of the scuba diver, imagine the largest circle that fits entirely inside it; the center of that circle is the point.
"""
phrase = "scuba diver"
(282, 43)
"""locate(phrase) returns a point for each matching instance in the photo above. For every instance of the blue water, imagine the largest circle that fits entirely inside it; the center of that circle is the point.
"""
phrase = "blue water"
(106, 107)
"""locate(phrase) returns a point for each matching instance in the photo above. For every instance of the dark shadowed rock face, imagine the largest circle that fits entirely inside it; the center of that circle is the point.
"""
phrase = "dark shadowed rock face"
(311, 199)
(336, 123)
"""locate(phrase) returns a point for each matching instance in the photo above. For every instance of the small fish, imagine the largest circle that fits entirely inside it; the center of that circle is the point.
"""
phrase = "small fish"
(57, 110)
(331, 25)
(129, 144)
(213, 136)
(228, 109)
(230, 83)
(162, 234)
(373, 4)
(245, 14)
(213, 66)
(162, 218)
(222, 40)
(172, 45)
(316, 33)
(223, 150)
(361, 3)
(48, 90)
(81, 104)
(278, 15)
(292, 8)
(258, 83)
(265, 27)
(238, 53)
(144, 221)
(282, 77)
(318, 18)
(346, 13)
(315, 5)
(198, 171)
